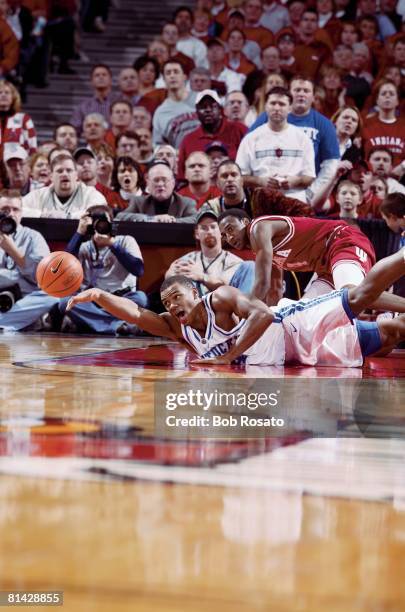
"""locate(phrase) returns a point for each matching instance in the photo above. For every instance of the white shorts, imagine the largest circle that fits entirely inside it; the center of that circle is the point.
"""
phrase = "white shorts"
(320, 331)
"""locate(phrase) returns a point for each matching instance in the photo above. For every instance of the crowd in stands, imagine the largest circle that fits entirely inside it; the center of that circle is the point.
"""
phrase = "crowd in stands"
(273, 107)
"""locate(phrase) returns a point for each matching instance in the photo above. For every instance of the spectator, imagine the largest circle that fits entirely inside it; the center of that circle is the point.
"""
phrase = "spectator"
(310, 53)
(200, 79)
(20, 253)
(380, 160)
(275, 16)
(270, 63)
(112, 263)
(188, 44)
(211, 266)
(141, 118)
(320, 129)
(176, 116)
(145, 145)
(197, 174)
(66, 197)
(10, 48)
(361, 62)
(65, 136)
(147, 69)
(100, 102)
(217, 153)
(128, 144)
(105, 164)
(236, 20)
(348, 197)
(170, 36)
(162, 204)
(235, 59)
(16, 167)
(168, 154)
(278, 155)
(94, 130)
(393, 213)
(296, 10)
(128, 84)
(86, 164)
(40, 171)
(214, 126)
(16, 126)
(348, 124)
(120, 120)
(236, 107)
(286, 41)
(385, 128)
(232, 192)
(228, 80)
(127, 179)
(253, 29)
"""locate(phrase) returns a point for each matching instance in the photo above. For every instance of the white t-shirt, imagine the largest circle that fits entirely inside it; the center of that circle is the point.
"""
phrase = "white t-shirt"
(194, 48)
(290, 152)
(173, 120)
(45, 203)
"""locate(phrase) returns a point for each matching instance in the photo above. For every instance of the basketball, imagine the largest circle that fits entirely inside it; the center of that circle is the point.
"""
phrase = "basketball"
(59, 274)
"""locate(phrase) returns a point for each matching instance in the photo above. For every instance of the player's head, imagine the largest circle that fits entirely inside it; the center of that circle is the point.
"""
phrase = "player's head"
(392, 210)
(179, 296)
(233, 227)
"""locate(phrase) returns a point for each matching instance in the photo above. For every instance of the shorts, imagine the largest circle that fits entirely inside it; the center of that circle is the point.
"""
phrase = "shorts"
(321, 332)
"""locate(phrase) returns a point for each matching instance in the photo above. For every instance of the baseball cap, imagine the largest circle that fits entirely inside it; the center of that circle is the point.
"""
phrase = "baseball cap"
(12, 150)
(215, 41)
(83, 151)
(286, 34)
(208, 93)
(216, 144)
(206, 211)
(237, 12)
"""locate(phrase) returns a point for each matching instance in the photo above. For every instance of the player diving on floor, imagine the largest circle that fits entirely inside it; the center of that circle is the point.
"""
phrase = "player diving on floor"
(226, 326)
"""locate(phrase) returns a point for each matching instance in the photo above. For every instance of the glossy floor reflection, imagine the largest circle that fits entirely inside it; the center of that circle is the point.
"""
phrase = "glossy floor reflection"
(94, 504)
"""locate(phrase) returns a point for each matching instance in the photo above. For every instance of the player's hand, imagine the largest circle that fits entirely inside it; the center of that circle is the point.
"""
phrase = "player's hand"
(89, 295)
(164, 219)
(223, 360)
(103, 240)
(85, 220)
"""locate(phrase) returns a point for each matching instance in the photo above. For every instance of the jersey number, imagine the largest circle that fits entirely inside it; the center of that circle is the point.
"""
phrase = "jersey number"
(361, 254)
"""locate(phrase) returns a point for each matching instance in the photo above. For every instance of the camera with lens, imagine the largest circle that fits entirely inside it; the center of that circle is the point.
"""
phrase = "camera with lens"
(7, 224)
(9, 296)
(100, 224)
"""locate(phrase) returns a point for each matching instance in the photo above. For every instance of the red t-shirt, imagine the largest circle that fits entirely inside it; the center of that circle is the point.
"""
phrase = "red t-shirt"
(377, 133)
(213, 192)
(230, 133)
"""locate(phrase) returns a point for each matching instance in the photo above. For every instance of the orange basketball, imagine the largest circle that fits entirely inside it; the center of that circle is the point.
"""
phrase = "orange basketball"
(59, 274)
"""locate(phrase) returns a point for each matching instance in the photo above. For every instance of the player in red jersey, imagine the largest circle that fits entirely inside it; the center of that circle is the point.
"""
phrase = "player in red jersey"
(340, 254)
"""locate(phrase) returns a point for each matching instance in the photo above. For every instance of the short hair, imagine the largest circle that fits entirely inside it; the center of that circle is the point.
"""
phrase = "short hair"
(381, 149)
(100, 65)
(229, 162)
(237, 213)
(127, 162)
(200, 70)
(279, 91)
(159, 162)
(310, 10)
(236, 30)
(303, 77)
(61, 158)
(11, 193)
(97, 117)
(63, 124)
(127, 134)
(182, 8)
(177, 278)
(193, 153)
(143, 60)
(348, 182)
(400, 39)
(361, 46)
(35, 157)
(393, 204)
(173, 61)
(126, 102)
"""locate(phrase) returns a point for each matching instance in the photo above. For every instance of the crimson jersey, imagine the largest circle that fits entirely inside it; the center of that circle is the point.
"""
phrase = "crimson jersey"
(318, 245)
(376, 133)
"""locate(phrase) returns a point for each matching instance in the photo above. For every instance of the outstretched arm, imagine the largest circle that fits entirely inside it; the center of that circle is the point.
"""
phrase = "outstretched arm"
(261, 242)
(125, 309)
(258, 317)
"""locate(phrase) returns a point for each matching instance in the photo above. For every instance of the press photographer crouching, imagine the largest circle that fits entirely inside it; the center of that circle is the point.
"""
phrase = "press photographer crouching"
(110, 262)
(21, 249)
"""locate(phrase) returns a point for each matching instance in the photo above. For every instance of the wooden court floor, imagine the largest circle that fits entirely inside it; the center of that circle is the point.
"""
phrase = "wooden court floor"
(97, 505)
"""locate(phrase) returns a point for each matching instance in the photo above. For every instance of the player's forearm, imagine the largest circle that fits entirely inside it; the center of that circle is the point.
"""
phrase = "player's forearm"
(390, 302)
(255, 326)
(119, 307)
(212, 282)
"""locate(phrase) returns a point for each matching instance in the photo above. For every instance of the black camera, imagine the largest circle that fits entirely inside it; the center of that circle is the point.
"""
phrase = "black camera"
(9, 296)
(7, 224)
(100, 224)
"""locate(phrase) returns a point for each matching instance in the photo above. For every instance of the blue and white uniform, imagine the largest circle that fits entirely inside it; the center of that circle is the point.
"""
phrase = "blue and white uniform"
(322, 331)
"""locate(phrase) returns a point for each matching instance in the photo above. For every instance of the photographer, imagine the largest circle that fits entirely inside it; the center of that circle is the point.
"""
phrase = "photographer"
(21, 249)
(112, 263)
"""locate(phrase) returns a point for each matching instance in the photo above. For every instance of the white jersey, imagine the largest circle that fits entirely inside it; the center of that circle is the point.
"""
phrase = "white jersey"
(309, 332)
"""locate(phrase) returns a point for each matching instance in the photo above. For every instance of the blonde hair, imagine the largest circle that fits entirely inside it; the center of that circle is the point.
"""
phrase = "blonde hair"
(16, 99)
